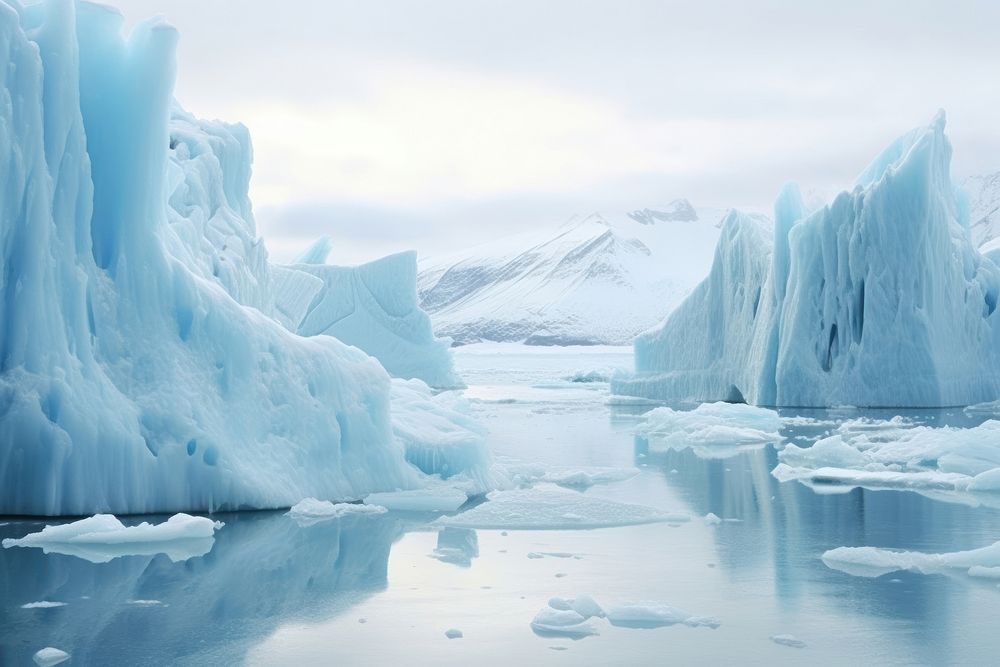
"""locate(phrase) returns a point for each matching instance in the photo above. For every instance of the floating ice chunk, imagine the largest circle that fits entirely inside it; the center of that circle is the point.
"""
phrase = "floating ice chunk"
(550, 622)
(788, 640)
(548, 508)
(984, 572)
(655, 615)
(710, 425)
(458, 546)
(453, 633)
(103, 537)
(874, 562)
(712, 519)
(898, 454)
(535, 555)
(146, 603)
(582, 604)
(44, 604)
(49, 656)
(310, 511)
(434, 499)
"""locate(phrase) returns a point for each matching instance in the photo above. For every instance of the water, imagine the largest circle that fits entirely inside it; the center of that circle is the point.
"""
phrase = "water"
(369, 590)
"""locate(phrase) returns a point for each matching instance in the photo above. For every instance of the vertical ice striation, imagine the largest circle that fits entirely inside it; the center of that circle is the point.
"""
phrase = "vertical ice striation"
(878, 299)
(141, 365)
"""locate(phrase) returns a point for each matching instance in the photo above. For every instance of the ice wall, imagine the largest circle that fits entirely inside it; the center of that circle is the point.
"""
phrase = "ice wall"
(878, 299)
(140, 367)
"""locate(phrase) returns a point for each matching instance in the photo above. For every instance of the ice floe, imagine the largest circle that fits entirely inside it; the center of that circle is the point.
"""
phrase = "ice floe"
(458, 546)
(102, 537)
(711, 429)
(310, 511)
(656, 615)
(552, 508)
(434, 499)
(788, 640)
(43, 604)
(49, 656)
(874, 562)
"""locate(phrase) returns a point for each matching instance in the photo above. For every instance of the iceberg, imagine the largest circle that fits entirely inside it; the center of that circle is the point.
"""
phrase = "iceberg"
(874, 562)
(878, 299)
(350, 303)
(145, 365)
(726, 428)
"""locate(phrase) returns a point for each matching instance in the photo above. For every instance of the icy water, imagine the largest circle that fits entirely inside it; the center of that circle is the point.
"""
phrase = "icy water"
(374, 590)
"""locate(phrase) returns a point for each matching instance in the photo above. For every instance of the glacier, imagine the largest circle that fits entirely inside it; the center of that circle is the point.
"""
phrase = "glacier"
(879, 299)
(146, 364)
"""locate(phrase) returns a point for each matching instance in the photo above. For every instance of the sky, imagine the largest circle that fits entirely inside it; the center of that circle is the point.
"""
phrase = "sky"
(441, 124)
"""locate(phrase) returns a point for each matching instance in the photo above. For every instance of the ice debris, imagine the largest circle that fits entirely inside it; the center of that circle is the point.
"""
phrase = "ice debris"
(49, 656)
(309, 511)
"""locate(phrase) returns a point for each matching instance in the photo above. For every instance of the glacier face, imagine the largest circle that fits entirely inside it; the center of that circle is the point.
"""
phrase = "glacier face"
(141, 365)
(878, 299)
(595, 280)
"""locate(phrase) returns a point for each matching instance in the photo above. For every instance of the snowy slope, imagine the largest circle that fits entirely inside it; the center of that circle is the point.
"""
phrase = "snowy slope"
(594, 280)
(142, 367)
(878, 299)
(983, 192)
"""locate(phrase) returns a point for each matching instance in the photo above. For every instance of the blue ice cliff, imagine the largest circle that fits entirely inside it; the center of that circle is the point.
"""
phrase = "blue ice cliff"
(878, 299)
(145, 364)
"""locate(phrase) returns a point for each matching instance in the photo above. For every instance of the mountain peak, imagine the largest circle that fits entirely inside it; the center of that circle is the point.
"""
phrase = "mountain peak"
(679, 210)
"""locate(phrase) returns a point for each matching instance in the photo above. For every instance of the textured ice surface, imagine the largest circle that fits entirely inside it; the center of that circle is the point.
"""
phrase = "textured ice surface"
(874, 562)
(878, 299)
(726, 426)
(899, 454)
(373, 307)
(543, 507)
(142, 367)
(439, 434)
(310, 511)
(596, 279)
(49, 656)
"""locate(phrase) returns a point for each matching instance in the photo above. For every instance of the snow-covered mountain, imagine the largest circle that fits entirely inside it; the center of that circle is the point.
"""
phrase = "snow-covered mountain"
(596, 279)
(984, 208)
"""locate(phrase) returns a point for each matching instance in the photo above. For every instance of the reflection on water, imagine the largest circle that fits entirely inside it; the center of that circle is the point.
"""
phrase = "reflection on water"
(263, 571)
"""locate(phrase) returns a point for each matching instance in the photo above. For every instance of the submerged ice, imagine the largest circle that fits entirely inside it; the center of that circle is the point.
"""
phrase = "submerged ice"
(150, 356)
(877, 299)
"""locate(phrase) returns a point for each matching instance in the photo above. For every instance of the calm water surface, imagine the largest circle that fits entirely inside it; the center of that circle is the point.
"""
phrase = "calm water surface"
(372, 590)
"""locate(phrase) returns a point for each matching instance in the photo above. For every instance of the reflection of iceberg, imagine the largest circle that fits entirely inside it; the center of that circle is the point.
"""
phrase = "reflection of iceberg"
(264, 571)
(457, 546)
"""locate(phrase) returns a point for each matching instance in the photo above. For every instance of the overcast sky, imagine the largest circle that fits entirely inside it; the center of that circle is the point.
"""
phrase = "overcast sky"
(437, 124)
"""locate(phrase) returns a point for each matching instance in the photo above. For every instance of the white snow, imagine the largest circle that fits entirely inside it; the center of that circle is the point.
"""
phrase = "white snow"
(309, 511)
(552, 508)
(145, 365)
(49, 656)
(435, 499)
(43, 604)
(596, 279)
(874, 562)
(878, 299)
